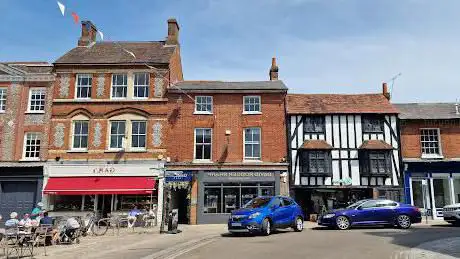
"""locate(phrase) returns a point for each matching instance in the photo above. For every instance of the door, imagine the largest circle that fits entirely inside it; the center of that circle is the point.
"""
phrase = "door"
(17, 196)
(277, 211)
(420, 195)
(385, 212)
(364, 214)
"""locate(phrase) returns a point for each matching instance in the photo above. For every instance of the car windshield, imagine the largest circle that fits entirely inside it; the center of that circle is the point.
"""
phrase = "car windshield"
(258, 202)
(356, 204)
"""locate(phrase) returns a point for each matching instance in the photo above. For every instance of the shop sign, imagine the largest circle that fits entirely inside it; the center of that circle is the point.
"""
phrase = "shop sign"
(104, 170)
(344, 181)
(178, 176)
(239, 176)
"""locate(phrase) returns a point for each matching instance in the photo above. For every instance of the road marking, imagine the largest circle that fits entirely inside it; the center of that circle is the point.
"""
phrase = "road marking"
(182, 248)
(181, 252)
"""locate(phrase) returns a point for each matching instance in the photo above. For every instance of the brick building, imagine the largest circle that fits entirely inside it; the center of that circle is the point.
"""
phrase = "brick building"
(109, 117)
(342, 148)
(231, 137)
(25, 108)
(430, 138)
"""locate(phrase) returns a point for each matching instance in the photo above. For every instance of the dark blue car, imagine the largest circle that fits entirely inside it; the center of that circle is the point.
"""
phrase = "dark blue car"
(372, 212)
(264, 214)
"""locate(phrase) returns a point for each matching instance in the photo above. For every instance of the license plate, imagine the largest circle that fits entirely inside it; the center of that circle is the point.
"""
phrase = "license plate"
(236, 224)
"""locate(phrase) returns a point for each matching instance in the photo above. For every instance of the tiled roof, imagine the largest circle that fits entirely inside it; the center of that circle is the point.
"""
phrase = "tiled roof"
(316, 144)
(118, 53)
(338, 104)
(22, 68)
(220, 85)
(427, 111)
(375, 144)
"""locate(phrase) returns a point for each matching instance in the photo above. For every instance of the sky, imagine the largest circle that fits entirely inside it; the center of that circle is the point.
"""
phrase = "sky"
(322, 46)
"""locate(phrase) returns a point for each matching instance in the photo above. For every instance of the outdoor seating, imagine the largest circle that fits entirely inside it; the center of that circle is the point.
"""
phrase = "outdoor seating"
(43, 235)
(17, 242)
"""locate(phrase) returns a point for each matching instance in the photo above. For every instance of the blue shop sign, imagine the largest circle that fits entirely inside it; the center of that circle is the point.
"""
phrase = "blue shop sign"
(178, 176)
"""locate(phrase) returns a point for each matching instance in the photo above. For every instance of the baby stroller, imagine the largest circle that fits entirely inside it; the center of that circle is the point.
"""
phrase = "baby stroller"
(70, 232)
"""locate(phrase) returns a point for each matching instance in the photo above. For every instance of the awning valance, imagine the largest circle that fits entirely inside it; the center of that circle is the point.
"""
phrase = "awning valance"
(99, 185)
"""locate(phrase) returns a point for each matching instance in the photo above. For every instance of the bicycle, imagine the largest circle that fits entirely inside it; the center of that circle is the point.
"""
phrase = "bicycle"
(100, 227)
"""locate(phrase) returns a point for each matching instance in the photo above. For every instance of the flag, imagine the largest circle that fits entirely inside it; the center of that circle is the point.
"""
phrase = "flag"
(75, 17)
(61, 7)
(101, 34)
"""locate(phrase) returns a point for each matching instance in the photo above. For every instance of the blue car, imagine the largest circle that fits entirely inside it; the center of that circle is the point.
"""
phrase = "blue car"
(266, 213)
(372, 212)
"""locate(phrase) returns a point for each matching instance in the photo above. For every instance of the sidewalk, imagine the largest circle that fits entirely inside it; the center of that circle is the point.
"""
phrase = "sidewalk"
(141, 243)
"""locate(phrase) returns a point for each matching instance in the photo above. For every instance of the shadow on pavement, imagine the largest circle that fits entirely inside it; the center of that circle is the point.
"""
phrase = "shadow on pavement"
(415, 236)
(247, 235)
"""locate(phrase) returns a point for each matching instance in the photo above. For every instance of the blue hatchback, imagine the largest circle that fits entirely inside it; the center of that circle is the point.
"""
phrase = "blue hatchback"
(372, 212)
(266, 213)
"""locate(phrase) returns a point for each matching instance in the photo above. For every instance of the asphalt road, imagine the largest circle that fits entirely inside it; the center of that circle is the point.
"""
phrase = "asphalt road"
(313, 242)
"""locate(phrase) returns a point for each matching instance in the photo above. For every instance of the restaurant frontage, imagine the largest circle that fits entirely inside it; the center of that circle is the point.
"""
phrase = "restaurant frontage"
(221, 192)
(79, 188)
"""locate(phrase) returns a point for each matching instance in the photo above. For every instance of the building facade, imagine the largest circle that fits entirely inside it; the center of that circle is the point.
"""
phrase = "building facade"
(231, 137)
(430, 138)
(107, 138)
(342, 148)
(25, 109)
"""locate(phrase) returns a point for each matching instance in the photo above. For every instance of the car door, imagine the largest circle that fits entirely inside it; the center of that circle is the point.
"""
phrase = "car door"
(385, 211)
(364, 214)
(277, 211)
(289, 208)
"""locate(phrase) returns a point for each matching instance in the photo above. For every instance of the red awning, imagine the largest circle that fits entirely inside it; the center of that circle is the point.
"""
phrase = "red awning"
(99, 185)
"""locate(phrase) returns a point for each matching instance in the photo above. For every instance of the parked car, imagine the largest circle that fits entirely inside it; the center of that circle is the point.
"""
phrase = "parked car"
(372, 212)
(266, 213)
(451, 213)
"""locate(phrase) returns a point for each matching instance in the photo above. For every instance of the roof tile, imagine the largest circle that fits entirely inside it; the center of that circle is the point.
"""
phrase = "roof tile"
(316, 144)
(375, 144)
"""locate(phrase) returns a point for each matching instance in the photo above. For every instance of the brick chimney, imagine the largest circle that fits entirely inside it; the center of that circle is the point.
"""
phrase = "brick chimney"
(88, 34)
(273, 70)
(173, 32)
(385, 91)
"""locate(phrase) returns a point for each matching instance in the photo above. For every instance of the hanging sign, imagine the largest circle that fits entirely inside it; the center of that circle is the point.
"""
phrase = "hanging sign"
(178, 176)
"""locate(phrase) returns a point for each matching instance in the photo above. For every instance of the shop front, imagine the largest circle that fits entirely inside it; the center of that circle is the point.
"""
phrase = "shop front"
(76, 189)
(432, 185)
(221, 192)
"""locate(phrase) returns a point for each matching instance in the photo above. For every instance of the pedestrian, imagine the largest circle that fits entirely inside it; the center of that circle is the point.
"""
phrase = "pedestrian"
(37, 210)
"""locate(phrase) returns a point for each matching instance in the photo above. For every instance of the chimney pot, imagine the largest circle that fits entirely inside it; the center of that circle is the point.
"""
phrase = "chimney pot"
(273, 70)
(173, 32)
(88, 34)
(385, 91)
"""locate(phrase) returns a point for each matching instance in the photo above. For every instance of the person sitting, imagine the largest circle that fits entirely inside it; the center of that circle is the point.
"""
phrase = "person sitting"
(132, 216)
(46, 220)
(26, 221)
(13, 221)
(37, 211)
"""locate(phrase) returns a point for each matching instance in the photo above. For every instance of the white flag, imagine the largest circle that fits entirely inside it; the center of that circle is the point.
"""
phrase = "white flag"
(61, 7)
(101, 34)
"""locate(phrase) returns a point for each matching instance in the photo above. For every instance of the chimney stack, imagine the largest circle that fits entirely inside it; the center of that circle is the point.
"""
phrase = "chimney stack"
(173, 32)
(385, 91)
(88, 34)
(273, 70)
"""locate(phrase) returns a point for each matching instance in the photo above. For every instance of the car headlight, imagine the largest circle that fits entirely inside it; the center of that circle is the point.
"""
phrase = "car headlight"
(328, 216)
(254, 215)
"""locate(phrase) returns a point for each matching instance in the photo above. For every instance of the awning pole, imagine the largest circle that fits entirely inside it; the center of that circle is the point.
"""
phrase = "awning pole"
(82, 202)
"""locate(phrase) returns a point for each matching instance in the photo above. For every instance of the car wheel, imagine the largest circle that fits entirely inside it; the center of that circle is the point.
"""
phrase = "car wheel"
(342, 222)
(266, 227)
(298, 224)
(403, 221)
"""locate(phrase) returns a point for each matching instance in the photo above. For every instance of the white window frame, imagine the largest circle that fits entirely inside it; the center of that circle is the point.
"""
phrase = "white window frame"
(123, 140)
(41, 91)
(252, 159)
(132, 135)
(37, 136)
(90, 86)
(147, 86)
(3, 96)
(112, 86)
(72, 147)
(424, 155)
(252, 112)
(194, 146)
(204, 112)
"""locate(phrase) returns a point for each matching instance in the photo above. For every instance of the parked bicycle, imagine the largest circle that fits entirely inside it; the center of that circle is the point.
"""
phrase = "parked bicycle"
(99, 227)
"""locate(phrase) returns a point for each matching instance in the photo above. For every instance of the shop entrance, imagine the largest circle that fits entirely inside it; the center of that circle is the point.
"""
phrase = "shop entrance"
(104, 204)
(179, 201)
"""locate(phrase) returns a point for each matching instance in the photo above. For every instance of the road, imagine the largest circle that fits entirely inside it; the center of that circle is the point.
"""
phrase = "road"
(423, 241)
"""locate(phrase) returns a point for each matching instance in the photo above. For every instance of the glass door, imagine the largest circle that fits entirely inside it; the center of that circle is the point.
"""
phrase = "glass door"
(442, 195)
(421, 195)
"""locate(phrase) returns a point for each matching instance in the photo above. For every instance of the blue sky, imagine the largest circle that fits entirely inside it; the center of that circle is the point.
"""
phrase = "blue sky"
(322, 46)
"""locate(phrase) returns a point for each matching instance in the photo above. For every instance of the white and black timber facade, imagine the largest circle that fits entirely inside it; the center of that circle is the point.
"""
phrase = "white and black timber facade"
(342, 148)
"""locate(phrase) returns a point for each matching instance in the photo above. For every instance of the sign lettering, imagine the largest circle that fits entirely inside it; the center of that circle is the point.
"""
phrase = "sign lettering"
(344, 181)
(104, 170)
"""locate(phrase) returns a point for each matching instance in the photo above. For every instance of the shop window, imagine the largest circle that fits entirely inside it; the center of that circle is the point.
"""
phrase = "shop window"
(203, 104)
(72, 202)
(372, 124)
(247, 194)
(252, 144)
(80, 135)
(203, 144)
(441, 192)
(143, 202)
(32, 142)
(119, 85)
(141, 85)
(317, 162)
(375, 162)
(429, 140)
(251, 104)
(457, 190)
(37, 99)
(314, 124)
(138, 137)
(117, 134)
(84, 82)
(212, 200)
